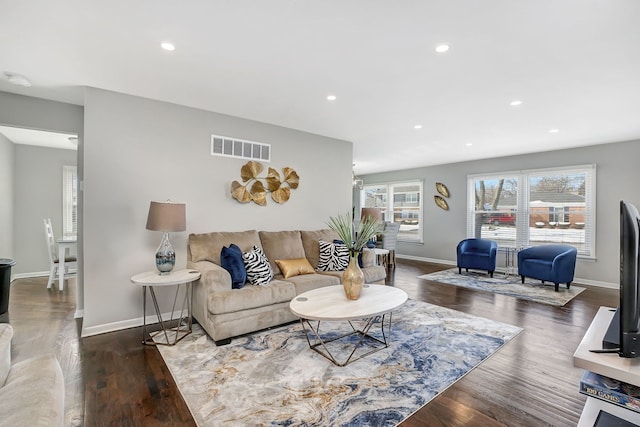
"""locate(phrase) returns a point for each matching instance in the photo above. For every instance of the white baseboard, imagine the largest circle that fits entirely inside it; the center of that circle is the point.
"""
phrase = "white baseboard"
(152, 319)
(29, 275)
(37, 274)
(449, 262)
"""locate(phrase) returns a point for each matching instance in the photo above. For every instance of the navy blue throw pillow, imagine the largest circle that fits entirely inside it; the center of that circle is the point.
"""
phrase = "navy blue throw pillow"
(231, 260)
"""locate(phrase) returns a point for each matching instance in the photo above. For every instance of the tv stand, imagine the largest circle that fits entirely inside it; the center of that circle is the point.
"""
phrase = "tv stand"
(593, 356)
(611, 338)
(607, 364)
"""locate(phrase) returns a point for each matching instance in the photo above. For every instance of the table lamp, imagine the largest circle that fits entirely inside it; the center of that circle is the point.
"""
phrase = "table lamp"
(166, 217)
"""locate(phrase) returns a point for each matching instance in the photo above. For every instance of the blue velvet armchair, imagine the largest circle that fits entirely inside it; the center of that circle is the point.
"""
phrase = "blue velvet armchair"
(552, 263)
(479, 254)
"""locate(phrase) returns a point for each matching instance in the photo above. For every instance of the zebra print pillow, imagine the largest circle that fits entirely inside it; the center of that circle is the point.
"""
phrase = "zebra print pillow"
(333, 256)
(259, 271)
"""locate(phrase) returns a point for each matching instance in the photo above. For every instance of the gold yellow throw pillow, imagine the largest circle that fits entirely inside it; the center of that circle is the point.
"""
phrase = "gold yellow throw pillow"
(294, 267)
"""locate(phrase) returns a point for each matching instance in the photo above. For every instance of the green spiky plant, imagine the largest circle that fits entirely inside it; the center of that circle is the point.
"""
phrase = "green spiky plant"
(343, 226)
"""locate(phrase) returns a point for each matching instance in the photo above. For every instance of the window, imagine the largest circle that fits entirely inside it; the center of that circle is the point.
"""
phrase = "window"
(536, 207)
(405, 206)
(69, 200)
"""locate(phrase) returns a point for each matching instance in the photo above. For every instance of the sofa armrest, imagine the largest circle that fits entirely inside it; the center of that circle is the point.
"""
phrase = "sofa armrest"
(564, 261)
(212, 276)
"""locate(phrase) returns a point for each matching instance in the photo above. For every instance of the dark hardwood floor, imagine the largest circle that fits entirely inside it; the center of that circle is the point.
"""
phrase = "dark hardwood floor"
(113, 380)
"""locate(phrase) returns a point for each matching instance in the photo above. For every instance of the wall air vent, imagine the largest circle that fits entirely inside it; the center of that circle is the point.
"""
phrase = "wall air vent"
(240, 148)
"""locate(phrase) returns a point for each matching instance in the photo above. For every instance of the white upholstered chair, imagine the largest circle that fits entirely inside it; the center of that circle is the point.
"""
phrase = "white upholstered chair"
(52, 248)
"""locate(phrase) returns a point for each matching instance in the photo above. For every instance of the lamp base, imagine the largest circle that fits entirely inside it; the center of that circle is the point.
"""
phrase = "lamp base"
(165, 256)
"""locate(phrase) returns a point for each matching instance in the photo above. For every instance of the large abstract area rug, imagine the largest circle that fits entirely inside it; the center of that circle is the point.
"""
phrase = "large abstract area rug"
(273, 378)
(532, 289)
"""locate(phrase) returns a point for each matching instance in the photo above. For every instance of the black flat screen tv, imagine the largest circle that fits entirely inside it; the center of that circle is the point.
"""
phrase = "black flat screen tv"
(624, 331)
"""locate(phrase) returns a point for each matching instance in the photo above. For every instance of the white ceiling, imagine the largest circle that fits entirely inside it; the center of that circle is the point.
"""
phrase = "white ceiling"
(39, 138)
(574, 64)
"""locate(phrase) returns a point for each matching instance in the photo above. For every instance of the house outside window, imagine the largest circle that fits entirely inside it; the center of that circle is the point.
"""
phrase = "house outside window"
(537, 207)
(405, 206)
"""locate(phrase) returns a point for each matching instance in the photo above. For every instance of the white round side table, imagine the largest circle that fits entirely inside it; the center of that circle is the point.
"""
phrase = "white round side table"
(153, 279)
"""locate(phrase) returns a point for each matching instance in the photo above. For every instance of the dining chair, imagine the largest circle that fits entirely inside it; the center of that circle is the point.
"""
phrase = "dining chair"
(54, 262)
(388, 241)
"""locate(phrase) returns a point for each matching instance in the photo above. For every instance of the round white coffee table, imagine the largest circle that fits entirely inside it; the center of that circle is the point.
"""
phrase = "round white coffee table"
(330, 303)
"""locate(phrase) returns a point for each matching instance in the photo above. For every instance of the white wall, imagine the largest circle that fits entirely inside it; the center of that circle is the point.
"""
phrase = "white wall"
(6, 198)
(618, 176)
(137, 150)
(38, 189)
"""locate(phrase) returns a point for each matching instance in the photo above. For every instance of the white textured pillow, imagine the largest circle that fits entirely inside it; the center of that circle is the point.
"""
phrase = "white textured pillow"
(333, 256)
(259, 271)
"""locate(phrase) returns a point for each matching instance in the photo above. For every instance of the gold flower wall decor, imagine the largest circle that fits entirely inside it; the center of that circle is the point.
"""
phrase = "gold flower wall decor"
(253, 188)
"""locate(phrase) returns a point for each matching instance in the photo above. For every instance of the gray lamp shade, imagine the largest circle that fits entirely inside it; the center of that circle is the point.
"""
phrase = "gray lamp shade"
(167, 217)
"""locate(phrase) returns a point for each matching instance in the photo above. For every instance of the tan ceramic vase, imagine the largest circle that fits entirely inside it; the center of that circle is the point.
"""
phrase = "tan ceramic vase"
(353, 278)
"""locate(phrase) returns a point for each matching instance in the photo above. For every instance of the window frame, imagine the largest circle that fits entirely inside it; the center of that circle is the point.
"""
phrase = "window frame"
(388, 210)
(69, 200)
(523, 212)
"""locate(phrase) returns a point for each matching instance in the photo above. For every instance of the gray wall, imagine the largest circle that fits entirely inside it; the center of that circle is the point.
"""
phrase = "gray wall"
(617, 178)
(7, 198)
(41, 114)
(38, 189)
(137, 150)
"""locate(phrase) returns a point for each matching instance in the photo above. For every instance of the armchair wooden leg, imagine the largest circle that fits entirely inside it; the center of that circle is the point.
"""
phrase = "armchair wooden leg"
(522, 279)
(557, 286)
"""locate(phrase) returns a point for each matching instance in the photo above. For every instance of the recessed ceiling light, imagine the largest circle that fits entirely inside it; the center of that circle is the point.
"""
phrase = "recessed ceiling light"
(331, 98)
(442, 48)
(554, 130)
(168, 46)
(17, 79)
(515, 103)
(468, 144)
(417, 127)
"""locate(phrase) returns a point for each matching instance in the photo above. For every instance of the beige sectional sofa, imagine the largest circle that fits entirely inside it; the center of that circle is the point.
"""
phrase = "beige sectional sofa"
(225, 312)
(31, 391)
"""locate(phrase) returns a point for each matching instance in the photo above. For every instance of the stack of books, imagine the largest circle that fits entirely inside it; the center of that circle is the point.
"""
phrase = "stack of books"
(610, 390)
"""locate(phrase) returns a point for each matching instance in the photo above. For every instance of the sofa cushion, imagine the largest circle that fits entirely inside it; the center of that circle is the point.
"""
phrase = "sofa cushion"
(308, 282)
(311, 246)
(367, 258)
(259, 270)
(250, 296)
(333, 256)
(281, 245)
(6, 333)
(207, 247)
(294, 267)
(373, 274)
(33, 394)
(231, 260)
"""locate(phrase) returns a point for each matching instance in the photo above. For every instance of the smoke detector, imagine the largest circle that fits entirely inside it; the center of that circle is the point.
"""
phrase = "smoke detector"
(17, 79)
